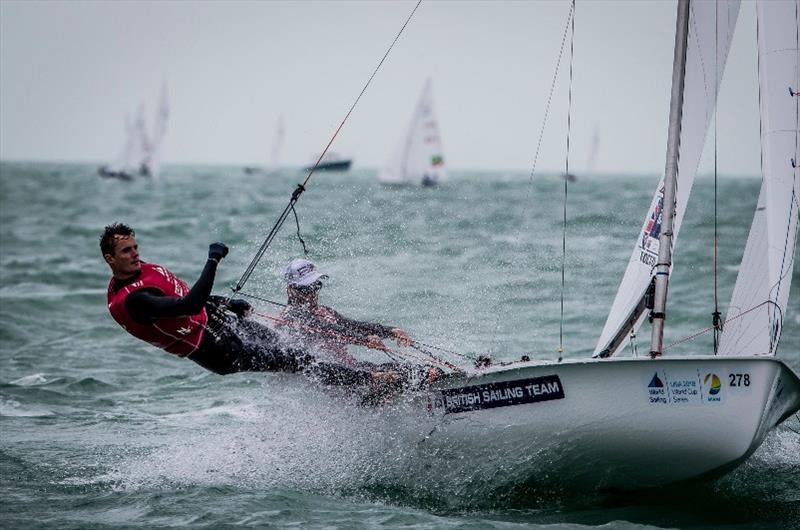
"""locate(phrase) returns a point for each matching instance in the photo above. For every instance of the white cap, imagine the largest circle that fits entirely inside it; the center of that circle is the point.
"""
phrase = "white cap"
(301, 272)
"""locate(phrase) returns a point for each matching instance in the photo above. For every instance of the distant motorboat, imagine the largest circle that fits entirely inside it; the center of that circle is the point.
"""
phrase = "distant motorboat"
(331, 162)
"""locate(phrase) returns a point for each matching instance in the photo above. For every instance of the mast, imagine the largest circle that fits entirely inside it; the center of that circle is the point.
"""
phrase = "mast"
(664, 263)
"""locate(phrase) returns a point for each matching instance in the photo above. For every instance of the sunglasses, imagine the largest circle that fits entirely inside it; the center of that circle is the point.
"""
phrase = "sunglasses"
(308, 289)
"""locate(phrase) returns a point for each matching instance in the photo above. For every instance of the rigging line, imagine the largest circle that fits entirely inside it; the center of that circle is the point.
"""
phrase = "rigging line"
(260, 299)
(552, 89)
(297, 222)
(434, 357)
(566, 187)
(706, 330)
(414, 344)
(715, 316)
(301, 187)
(457, 354)
(392, 354)
(541, 131)
(353, 106)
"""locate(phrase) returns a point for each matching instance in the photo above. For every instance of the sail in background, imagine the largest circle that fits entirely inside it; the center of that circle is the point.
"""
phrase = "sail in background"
(758, 305)
(127, 160)
(155, 143)
(706, 19)
(141, 151)
(419, 158)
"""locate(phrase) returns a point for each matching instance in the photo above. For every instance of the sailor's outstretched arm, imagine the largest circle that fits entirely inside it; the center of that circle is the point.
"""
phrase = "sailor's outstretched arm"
(147, 305)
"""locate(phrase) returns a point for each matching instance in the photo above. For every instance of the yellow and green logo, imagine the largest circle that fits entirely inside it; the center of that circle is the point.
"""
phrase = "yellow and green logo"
(713, 383)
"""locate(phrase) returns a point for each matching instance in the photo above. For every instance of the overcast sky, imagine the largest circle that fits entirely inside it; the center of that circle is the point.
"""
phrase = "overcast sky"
(70, 71)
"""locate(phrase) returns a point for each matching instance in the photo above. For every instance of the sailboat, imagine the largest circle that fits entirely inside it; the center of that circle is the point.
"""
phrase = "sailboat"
(124, 166)
(142, 151)
(153, 144)
(277, 145)
(590, 160)
(418, 158)
(636, 422)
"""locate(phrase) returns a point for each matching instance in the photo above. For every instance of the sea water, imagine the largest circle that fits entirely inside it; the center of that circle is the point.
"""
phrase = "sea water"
(100, 430)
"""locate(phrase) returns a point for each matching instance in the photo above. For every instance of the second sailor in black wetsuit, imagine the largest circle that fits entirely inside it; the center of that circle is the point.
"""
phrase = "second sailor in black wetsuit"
(154, 305)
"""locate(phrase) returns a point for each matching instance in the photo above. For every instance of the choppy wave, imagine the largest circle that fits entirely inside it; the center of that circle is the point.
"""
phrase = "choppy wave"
(100, 430)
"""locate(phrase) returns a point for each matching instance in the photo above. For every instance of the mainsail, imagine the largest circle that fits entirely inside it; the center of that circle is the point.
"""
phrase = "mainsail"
(711, 27)
(758, 305)
(419, 159)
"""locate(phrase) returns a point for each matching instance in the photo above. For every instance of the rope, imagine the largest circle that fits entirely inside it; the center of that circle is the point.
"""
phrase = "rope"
(566, 187)
(414, 344)
(706, 330)
(297, 222)
(392, 354)
(715, 316)
(552, 89)
(302, 187)
(541, 130)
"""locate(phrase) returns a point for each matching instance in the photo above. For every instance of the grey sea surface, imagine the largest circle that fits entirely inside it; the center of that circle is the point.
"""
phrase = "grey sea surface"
(99, 430)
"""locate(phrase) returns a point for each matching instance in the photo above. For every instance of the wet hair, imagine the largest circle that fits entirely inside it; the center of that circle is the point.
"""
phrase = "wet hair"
(108, 239)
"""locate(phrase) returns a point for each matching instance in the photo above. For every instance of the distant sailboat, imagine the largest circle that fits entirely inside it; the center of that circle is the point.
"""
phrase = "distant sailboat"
(590, 160)
(277, 145)
(419, 158)
(124, 166)
(151, 162)
(141, 153)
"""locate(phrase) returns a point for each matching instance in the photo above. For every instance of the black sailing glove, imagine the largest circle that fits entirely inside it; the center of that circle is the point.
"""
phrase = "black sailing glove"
(240, 308)
(217, 251)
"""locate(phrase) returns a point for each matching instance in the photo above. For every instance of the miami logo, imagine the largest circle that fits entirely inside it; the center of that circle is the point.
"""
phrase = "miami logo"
(712, 382)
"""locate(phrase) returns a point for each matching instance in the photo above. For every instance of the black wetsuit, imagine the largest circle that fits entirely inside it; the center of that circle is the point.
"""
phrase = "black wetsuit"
(232, 344)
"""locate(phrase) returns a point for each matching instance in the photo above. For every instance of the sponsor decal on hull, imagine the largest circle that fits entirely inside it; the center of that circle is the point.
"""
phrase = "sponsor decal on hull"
(500, 394)
(682, 387)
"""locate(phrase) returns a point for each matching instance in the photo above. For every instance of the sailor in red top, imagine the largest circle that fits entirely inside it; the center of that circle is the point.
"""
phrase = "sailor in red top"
(154, 305)
(180, 335)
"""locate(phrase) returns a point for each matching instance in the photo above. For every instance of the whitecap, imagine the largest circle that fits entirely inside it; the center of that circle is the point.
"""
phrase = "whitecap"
(30, 380)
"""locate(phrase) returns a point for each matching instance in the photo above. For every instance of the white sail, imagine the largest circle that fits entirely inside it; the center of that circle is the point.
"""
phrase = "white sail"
(759, 302)
(141, 142)
(419, 158)
(124, 163)
(156, 144)
(746, 329)
(707, 20)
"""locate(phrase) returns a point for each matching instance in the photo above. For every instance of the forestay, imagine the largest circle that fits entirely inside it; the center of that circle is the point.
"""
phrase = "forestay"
(419, 157)
(761, 294)
(711, 27)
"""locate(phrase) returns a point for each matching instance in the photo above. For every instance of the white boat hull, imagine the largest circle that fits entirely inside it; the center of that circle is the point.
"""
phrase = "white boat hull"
(618, 423)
